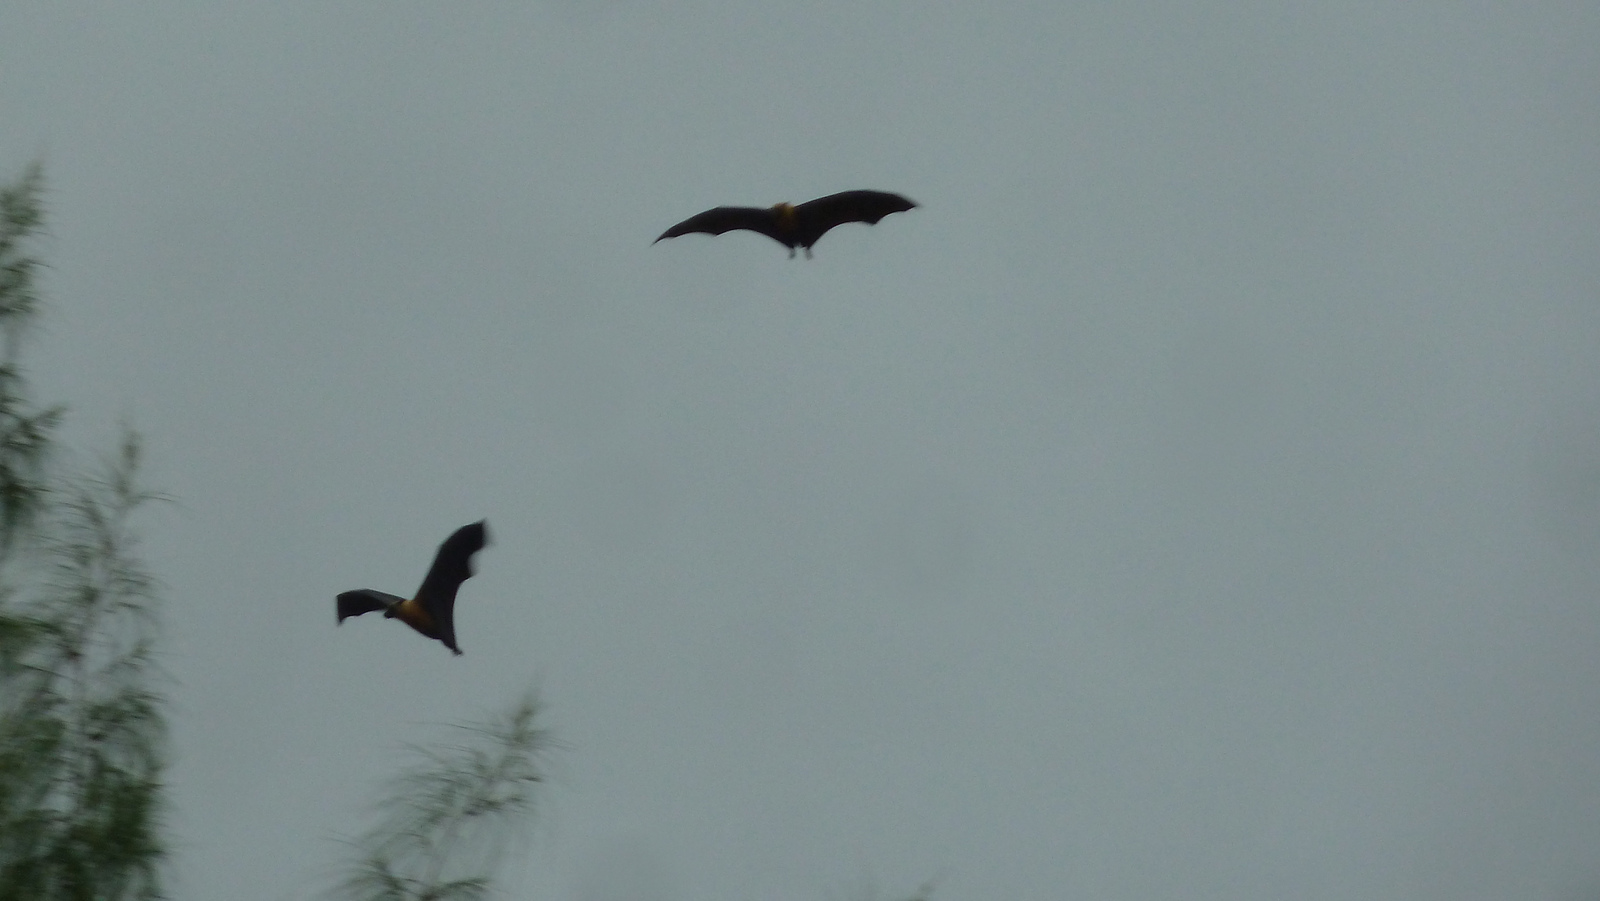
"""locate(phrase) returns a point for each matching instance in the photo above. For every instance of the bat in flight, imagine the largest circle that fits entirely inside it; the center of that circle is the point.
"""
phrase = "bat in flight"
(432, 611)
(795, 226)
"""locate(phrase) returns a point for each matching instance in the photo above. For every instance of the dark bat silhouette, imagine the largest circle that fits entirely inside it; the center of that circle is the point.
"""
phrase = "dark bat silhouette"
(432, 611)
(795, 226)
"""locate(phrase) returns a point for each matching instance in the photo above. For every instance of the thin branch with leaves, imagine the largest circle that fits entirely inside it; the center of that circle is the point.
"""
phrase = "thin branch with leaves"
(445, 822)
(82, 735)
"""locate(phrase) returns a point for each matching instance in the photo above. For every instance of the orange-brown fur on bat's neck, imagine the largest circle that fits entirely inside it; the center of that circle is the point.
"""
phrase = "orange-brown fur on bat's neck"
(787, 225)
(412, 614)
(785, 213)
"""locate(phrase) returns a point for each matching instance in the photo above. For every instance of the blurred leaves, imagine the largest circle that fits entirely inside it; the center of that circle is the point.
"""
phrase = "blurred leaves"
(82, 731)
(25, 432)
(446, 821)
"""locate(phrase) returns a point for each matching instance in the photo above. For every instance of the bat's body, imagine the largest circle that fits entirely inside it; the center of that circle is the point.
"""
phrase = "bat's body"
(795, 226)
(432, 611)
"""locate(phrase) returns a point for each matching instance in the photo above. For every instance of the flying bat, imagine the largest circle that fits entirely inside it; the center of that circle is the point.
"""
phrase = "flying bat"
(432, 611)
(795, 226)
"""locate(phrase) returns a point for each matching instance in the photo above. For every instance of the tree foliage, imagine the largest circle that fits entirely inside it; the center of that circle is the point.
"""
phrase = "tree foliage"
(25, 432)
(82, 734)
(445, 822)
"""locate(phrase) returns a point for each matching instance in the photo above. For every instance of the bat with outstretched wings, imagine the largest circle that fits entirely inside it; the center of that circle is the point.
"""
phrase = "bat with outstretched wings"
(432, 611)
(795, 226)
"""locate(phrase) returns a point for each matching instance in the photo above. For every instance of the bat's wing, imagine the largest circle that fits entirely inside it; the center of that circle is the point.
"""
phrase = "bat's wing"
(365, 600)
(451, 566)
(814, 217)
(727, 219)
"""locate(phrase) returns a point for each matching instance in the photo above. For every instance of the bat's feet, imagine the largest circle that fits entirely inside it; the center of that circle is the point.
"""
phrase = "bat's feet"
(808, 253)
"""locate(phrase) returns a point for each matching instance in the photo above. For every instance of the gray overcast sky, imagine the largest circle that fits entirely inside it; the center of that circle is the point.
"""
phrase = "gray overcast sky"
(1197, 498)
